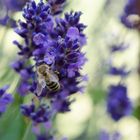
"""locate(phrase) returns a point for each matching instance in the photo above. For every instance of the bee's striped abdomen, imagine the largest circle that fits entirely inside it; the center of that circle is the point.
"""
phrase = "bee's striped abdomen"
(54, 86)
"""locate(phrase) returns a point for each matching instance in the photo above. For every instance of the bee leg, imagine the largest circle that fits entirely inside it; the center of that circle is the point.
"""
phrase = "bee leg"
(56, 72)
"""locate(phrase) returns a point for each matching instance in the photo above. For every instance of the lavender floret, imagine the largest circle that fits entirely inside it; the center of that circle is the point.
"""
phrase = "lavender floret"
(5, 99)
(118, 104)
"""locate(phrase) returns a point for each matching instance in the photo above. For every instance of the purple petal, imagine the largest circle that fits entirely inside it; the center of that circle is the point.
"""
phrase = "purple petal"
(73, 33)
(39, 39)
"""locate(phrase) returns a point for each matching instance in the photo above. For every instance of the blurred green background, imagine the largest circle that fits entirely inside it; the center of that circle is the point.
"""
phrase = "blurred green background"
(88, 113)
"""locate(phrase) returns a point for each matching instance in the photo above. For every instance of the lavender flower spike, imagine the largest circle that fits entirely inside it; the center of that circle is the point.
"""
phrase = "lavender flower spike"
(59, 47)
(5, 99)
(118, 104)
(54, 43)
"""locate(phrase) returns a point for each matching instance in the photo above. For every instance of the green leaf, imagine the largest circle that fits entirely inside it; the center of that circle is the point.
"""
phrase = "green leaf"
(136, 112)
(12, 125)
(28, 134)
(14, 129)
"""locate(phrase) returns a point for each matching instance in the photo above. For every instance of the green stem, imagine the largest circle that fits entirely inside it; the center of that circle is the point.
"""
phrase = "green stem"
(2, 40)
(27, 132)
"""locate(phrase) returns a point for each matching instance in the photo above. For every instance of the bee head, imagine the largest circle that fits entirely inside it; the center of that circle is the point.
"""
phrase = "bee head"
(43, 69)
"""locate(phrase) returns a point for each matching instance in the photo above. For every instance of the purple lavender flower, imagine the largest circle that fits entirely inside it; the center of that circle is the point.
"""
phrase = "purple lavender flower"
(58, 47)
(39, 114)
(61, 103)
(107, 136)
(118, 71)
(6, 20)
(55, 42)
(8, 8)
(45, 135)
(131, 16)
(118, 48)
(118, 104)
(5, 99)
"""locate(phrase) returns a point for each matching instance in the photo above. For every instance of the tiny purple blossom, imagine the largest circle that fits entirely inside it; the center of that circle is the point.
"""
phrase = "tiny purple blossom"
(39, 39)
(118, 71)
(119, 48)
(5, 99)
(23, 88)
(73, 33)
(37, 115)
(3, 90)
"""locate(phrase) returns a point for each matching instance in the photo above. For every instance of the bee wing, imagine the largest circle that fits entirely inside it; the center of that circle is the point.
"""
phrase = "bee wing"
(54, 77)
(39, 89)
(40, 85)
(42, 82)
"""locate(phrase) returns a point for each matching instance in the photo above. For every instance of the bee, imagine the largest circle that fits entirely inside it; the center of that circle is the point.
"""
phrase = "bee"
(47, 78)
